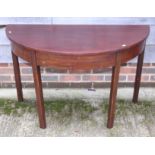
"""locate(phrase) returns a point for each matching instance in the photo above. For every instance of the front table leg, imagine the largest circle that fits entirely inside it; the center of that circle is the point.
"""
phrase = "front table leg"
(113, 92)
(138, 77)
(39, 92)
(17, 77)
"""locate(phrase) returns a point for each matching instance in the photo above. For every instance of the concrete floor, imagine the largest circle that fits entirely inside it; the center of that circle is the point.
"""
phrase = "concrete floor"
(128, 124)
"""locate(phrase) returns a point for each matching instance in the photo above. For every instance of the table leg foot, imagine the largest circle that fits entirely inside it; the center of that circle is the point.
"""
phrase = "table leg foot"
(138, 77)
(17, 77)
(39, 92)
(113, 93)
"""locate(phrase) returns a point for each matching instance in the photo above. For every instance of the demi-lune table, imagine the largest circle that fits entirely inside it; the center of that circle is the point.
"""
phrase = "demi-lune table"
(77, 47)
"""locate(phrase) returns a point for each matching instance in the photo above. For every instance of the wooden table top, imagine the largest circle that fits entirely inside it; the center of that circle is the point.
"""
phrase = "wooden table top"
(77, 39)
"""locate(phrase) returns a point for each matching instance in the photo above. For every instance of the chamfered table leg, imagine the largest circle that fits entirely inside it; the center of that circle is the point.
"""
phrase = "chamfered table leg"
(138, 77)
(39, 92)
(113, 92)
(17, 77)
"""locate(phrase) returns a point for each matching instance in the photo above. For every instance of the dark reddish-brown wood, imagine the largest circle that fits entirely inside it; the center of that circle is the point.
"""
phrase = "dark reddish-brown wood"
(113, 91)
(138, 77)
(17, 77)
(38, 90)
(77, 47)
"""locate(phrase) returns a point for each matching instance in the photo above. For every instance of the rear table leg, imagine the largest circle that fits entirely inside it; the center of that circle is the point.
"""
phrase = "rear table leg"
(138, 77)
(17, 77)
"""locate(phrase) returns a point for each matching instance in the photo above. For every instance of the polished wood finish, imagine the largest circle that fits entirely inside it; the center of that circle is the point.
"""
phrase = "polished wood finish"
(38, 90)
(21, 52)
(138, 77)
(113, 91)
(78, 47)
(82, 46)
(17, 77)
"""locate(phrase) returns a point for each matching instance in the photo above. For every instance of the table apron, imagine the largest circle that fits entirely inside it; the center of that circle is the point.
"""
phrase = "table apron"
(21, 52)
(132, 52)
(73, 62)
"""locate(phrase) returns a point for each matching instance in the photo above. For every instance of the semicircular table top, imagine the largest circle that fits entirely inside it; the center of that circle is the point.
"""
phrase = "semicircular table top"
(77, 39)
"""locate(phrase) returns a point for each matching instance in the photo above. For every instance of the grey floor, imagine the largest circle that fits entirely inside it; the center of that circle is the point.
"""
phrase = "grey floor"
(129, 123)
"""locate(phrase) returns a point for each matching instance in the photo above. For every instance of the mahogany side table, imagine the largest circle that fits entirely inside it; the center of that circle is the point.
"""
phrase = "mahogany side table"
(77, 47)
